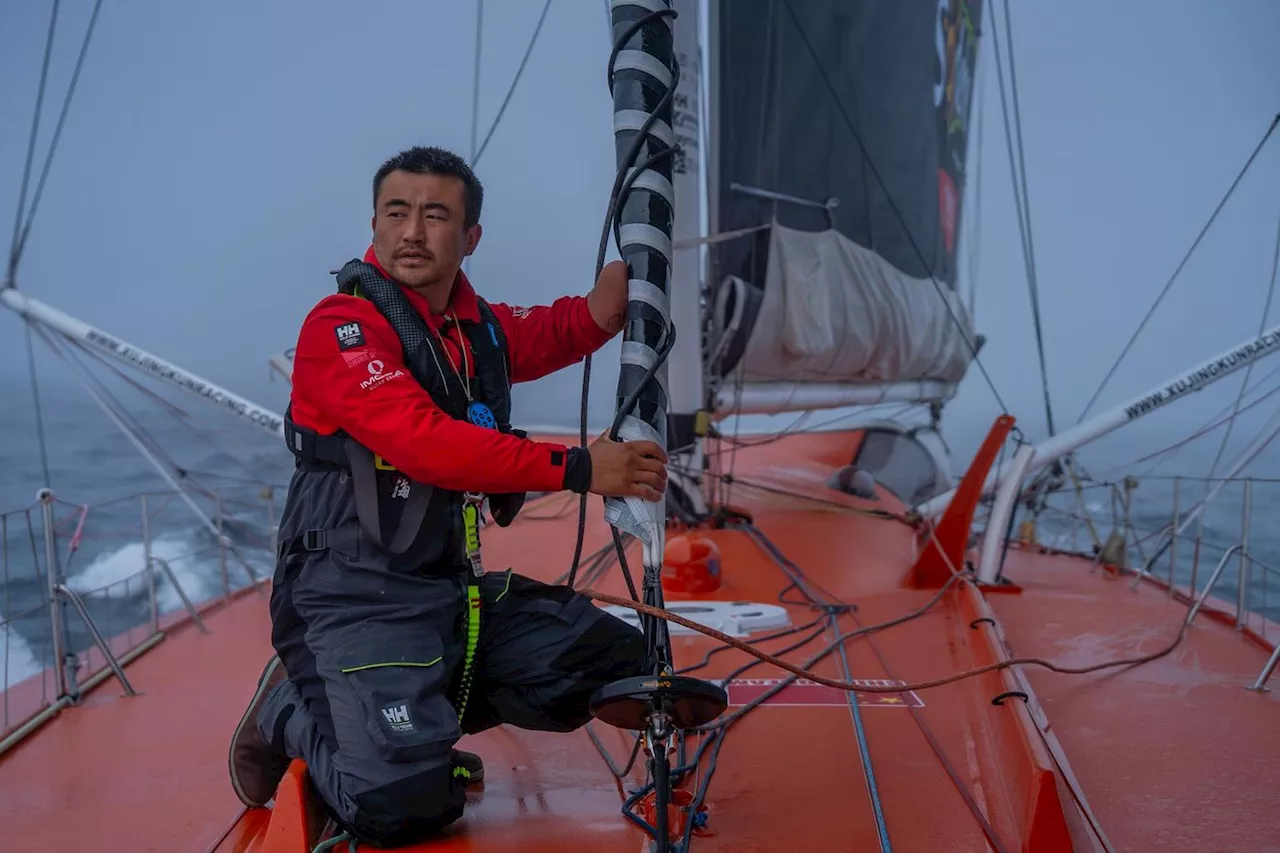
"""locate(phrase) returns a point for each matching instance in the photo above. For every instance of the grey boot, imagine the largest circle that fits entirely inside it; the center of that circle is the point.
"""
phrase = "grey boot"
(256, 765)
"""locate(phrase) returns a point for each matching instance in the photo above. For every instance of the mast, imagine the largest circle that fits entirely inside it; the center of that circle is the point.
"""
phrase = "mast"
(687, 380)
(686, 275)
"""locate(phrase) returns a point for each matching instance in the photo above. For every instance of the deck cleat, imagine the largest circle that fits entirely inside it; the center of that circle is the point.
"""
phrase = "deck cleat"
(686, 702)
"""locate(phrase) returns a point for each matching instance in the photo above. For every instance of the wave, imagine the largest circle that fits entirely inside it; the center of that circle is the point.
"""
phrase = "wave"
(17, 660)
(197, 569)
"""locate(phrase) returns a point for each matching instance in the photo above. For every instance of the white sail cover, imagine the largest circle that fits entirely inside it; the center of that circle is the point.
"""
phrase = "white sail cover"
(834, 311)
(845, 124)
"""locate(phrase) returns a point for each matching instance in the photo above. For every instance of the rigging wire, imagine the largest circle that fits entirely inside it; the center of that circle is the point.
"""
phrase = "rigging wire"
(12, 266)
(721, 486)
(475, 79)
(797, 427)
(511, 90)
(57, 133)
(176, 412)
(1221, 419)
(65, 348)
(1033, 279)
(21, 225)
(1248, 371)
(1022, 199)
(970, 801)
(1213, 422)
(88, 380)
(716, 731)
(724, 474)
(35, 397)
(770, 83)
(618, 772)
(31, 148)
(864, 750)
(1181, 265)
(973, 202)
(973, 349)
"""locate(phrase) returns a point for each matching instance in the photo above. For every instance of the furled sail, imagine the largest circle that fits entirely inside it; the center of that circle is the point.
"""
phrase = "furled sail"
(839, 132)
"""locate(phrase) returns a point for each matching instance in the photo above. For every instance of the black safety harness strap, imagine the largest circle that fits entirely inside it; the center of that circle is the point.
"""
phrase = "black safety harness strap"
(311, 448)
(364, 485)
(422, 353)
(345, 539)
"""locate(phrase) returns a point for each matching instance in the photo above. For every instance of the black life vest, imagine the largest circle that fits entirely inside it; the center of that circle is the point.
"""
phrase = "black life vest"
(418, 525)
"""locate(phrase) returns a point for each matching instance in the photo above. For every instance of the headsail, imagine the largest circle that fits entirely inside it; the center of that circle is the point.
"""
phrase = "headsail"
(840, 132)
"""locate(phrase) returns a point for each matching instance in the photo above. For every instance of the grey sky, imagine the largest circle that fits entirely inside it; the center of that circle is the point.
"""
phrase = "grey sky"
(218, 157)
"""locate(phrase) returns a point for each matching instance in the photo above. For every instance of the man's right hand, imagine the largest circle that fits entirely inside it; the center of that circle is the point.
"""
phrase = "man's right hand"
(628, 468)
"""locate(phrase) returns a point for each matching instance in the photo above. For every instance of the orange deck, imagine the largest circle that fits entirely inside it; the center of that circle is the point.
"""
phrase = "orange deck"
(1173, 755)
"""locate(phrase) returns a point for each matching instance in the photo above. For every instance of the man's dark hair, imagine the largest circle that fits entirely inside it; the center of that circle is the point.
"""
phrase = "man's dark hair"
(424, 160)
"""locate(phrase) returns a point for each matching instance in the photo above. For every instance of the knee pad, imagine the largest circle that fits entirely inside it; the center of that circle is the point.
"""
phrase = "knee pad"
(410, 809)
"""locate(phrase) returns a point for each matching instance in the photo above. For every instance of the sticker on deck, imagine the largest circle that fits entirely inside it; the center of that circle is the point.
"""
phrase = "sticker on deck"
(805, 693)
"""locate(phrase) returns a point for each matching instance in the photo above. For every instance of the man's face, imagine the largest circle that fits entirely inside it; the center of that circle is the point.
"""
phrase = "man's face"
(419, 232)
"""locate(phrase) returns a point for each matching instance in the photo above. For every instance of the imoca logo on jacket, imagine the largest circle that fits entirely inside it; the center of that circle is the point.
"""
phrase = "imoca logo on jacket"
(377, 377)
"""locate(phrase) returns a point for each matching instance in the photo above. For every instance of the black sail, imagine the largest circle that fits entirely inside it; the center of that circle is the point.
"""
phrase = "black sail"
(867, 103)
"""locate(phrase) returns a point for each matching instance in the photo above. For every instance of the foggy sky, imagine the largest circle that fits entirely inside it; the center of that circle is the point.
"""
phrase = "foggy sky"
(218, 158)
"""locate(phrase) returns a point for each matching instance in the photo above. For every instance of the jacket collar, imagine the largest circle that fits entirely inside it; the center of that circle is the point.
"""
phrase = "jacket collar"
(463, 304)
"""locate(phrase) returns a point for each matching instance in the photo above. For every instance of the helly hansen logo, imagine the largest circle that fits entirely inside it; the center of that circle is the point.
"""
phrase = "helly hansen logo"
(349, 336)
(397, 717)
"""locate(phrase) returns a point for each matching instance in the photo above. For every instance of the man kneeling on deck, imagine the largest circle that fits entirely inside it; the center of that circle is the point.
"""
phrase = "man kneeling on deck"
(392, 642)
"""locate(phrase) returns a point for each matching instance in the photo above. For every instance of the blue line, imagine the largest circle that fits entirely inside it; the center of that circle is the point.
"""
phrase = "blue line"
(852, 699)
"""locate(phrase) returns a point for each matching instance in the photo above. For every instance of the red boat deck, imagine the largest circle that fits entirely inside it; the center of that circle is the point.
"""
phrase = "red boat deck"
(148, 772)
(1172, 755)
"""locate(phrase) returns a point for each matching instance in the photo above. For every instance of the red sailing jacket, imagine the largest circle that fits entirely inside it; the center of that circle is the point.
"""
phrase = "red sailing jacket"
(395, 416)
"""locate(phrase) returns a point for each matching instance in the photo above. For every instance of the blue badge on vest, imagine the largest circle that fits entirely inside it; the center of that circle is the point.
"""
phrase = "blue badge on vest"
(481, 415)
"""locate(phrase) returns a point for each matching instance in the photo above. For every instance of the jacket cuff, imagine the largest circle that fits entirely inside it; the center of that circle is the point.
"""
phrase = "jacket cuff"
(577, 470)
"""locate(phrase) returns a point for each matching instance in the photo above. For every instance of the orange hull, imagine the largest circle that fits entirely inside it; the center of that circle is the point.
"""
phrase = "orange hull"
(1169, 755)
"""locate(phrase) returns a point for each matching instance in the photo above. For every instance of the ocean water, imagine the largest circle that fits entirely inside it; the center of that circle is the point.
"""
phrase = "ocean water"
(91, 462)
(245, 471)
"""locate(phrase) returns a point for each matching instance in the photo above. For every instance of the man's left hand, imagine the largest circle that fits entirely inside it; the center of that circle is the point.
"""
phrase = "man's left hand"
(608, 299)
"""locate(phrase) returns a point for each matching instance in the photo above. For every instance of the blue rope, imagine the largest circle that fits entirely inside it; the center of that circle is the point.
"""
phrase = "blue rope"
(332, 843)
